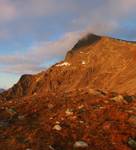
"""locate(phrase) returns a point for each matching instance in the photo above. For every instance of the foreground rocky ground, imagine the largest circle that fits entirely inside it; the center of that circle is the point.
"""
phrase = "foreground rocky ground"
(79, 119)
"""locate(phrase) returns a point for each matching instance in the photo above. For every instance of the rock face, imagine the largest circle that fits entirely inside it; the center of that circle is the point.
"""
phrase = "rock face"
(95, 62)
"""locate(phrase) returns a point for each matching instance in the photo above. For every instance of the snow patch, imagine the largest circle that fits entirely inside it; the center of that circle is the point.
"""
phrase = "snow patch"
(63, 64)
(81, 52)
(83, 63)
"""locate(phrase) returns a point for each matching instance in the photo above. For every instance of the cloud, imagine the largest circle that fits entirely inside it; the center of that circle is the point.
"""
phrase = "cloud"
(32, 60)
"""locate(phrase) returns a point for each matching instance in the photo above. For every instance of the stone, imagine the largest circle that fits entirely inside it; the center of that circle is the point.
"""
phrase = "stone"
(69, 112)
(80, 144)
(57, 122)
(132, 120)
(21, 117)
(81, 106)
(57, 127)
(132, 143)
(11, 111)
(93, 92)
(128, 98)
(51, 147)
(118, 99)
(81, 121)
(4, 124)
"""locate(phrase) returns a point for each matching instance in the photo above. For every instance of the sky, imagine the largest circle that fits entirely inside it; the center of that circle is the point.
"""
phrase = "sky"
(34, 34)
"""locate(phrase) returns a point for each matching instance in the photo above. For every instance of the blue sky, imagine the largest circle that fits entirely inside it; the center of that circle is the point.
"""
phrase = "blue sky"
(34, 34)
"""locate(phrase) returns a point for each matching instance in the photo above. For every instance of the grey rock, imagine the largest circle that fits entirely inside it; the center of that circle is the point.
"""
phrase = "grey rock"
(132, 143)
(80, 144)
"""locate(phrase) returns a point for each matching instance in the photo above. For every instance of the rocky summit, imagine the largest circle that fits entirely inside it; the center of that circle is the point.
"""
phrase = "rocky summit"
(87, 101)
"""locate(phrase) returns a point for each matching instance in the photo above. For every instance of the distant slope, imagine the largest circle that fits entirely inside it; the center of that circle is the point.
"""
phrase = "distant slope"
(97, 62)
(2, 90)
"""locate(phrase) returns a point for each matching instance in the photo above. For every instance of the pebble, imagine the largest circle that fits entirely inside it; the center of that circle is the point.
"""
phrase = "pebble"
(21, 117)
(81, 122)
(50, 147)
(132, 143)
(57, 122)
(80, 144)
(69, 112)
(118, 99)
(11, 111)
(132, 120)
(57, 127)
(81, 106)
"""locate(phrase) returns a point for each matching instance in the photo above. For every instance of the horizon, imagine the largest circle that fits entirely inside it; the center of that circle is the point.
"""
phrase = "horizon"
(35, 34)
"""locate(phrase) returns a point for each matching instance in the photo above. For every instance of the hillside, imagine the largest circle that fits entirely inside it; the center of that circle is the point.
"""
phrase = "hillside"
(87, 101)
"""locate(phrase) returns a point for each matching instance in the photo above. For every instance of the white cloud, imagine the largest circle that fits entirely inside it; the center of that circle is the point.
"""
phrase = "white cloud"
(31, 61)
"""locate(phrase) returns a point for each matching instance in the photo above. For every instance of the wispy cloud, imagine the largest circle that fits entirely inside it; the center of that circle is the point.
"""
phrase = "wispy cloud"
(32, 60)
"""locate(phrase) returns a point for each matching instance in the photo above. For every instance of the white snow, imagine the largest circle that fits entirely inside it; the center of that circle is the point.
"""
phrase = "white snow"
(63, 64)
(83, 63)
(81, 52)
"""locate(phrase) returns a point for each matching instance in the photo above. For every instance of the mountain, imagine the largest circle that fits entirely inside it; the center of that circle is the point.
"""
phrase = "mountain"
(87, 101)
(97, 62)
(2, 90)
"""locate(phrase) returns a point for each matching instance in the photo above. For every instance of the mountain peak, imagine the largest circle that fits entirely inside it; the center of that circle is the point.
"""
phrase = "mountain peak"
(87, 40)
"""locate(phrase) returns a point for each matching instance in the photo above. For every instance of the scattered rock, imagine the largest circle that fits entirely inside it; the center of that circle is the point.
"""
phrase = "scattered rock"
(69, 112)
(81, 121)
(128, 98)
(21, 117)
(97, 106)
(57, 122)
(57, 127)
(80, 144)
(132, 143)
(81, 106)
(51, 118)
(95, 92)
(11, 111)
(4, 124)
(132, 120)
(118, 99)
(50, 147)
